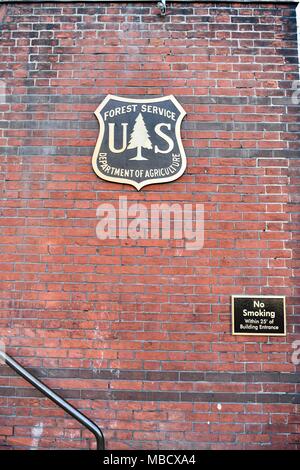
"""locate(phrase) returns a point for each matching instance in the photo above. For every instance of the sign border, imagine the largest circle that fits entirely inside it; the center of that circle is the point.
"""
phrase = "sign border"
(139, 186)
(258, 297)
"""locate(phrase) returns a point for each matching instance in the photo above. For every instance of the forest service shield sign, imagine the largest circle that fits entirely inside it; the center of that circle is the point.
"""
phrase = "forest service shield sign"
(139, 140)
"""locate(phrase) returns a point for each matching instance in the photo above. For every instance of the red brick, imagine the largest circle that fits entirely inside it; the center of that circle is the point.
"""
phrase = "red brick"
(146, 312)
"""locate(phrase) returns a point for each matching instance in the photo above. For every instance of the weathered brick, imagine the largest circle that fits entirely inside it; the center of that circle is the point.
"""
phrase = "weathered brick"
(137, 332)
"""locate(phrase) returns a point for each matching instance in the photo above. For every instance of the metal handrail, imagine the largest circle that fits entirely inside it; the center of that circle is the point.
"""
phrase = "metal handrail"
(66, 406)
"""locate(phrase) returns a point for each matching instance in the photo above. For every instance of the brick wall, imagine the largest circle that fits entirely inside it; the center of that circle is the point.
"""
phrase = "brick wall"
(137, 333)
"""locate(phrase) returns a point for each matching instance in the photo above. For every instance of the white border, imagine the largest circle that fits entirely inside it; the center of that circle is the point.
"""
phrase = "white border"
(258, 297)
(139, 186)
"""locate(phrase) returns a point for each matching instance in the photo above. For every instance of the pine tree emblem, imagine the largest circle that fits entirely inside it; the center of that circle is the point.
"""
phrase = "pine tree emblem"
(139, 138)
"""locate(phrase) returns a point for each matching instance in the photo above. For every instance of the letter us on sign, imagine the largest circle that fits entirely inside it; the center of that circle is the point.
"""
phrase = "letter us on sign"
(139, 140)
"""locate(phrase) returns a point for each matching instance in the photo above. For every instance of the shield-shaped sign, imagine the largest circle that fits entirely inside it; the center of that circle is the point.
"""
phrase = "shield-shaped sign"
(139, 140)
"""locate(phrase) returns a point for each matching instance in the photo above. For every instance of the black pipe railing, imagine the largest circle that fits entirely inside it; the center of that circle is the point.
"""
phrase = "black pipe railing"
(66, 406)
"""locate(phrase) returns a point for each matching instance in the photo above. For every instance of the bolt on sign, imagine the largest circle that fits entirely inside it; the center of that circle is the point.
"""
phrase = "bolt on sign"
(260, 315)
(139, 140)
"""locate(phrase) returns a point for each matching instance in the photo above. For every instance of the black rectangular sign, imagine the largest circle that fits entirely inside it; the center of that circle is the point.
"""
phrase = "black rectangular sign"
(259, 315)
